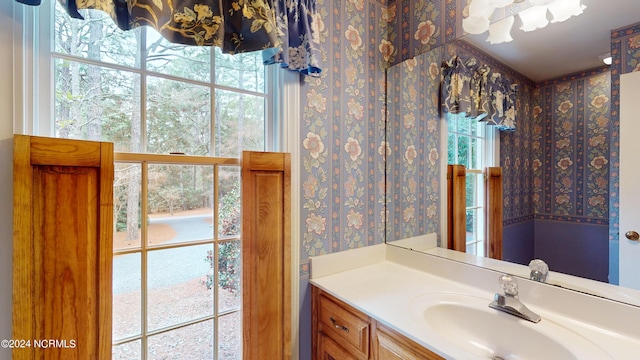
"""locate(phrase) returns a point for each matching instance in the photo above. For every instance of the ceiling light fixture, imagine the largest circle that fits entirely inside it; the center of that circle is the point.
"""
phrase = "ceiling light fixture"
(533, 16)
(606, 58)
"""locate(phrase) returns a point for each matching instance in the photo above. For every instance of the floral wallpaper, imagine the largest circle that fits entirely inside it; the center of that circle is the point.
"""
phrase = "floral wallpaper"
(571, 120)
(343, 140)
(413, 146)
(515, 159)
(416, 26)
(342, 128)
(342, 135)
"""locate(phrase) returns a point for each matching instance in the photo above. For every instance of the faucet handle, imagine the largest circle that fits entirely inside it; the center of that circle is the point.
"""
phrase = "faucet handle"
(509, 285)
(539, 270)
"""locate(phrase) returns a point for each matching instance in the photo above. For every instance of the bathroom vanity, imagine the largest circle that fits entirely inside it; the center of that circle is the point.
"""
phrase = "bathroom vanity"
(385, 302)
(343, 332)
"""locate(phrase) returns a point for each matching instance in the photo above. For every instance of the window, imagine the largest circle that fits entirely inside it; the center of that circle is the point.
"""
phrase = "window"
(176, 270)
(470, 143)
(148, 95)
(177, 239)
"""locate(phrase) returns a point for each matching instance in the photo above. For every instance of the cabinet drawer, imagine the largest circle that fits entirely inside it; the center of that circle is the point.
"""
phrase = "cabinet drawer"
(390, 345)
(329, 350)
(347, 327)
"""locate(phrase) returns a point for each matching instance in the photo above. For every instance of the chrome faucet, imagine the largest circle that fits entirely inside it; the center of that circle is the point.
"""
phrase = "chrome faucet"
(539, 270)
(510, 303)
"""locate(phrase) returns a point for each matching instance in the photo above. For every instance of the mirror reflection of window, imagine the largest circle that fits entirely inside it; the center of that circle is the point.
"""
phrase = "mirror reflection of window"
(472, 143)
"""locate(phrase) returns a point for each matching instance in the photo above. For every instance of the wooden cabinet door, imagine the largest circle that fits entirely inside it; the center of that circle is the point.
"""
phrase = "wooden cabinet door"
(266, 254)
(62, 248)
(330, 350)
(390, 345)
(345, 326)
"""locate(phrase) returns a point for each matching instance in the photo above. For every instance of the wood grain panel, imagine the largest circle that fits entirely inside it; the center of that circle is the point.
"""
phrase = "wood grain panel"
(344, 324)
(265, 161)
(493, 216)
(390, 345)
(330, 350)
(62, 152)
(266, 255)
(268, 258)
(105, 250)
(456, 208)
(23, 250)
(63, 227)
(65, 240)
(174, 159)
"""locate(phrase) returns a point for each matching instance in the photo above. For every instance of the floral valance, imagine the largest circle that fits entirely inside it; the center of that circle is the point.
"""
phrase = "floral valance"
(284, 28)
(299, 26)
(472, 88)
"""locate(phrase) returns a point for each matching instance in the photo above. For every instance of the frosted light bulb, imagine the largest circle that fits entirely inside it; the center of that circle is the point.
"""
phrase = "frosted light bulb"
(533, 18)
(500, 31)
(564, 9)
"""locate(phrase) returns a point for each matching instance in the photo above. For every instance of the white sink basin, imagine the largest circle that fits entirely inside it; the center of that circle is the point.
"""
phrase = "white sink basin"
(467, 323)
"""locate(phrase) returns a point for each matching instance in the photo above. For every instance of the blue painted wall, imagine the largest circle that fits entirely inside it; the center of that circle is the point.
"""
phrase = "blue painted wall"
(518, 242)
(573, 248)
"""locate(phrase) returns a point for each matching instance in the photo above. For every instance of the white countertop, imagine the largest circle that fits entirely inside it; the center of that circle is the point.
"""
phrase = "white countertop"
(382, 281)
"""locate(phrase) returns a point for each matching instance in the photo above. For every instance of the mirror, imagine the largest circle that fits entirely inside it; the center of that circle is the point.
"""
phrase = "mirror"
(574, 241)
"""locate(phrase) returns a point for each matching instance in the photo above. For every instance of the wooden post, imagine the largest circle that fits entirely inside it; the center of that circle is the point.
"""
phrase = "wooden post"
(266, 255)
(456, 198)
(62, 248)
(493, 212)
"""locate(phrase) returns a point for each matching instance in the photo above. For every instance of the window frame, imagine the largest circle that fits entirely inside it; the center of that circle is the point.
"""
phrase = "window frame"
(32, 115)
(37, 78)
(490, 137)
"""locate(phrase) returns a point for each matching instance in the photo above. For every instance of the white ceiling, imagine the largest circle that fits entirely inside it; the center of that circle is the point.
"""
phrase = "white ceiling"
(567, 47)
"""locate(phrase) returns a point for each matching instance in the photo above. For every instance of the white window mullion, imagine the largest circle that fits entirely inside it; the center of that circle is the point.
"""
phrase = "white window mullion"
(289, 110)
(44, 85)
(22, 64)
(33, 69)
(492, 146)
(279, 105)
(143, 89)
(212, 94)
